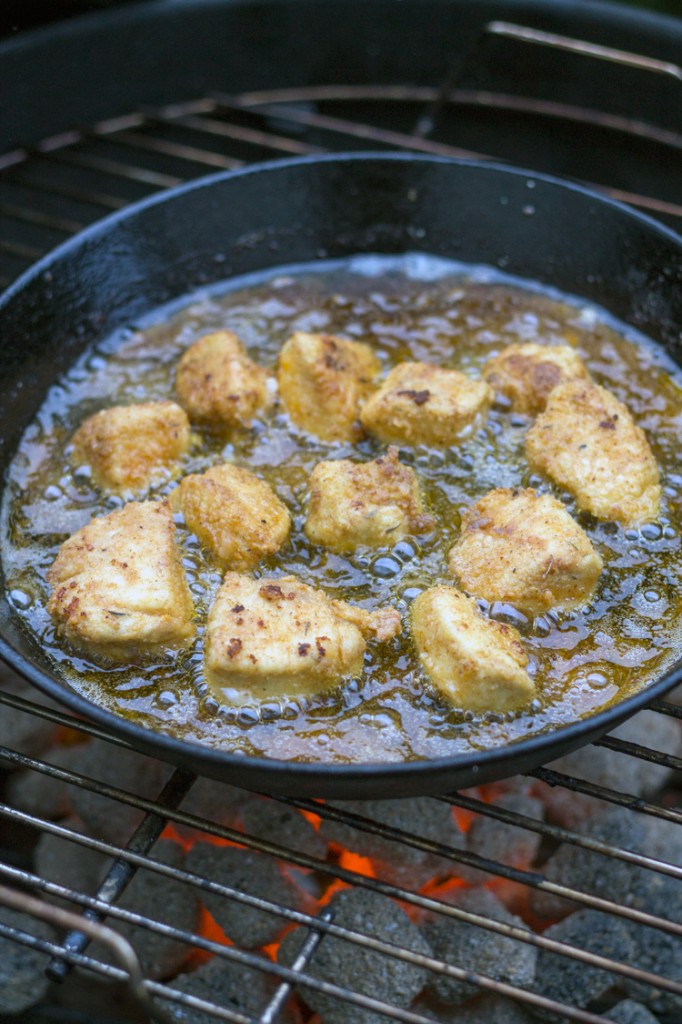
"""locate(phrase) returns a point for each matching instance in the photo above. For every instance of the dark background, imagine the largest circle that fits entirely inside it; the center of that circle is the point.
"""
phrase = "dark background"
(16, 15)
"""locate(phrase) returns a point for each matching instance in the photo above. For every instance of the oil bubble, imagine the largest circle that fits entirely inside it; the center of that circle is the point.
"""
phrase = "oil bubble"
(386, 568)
(404, 551)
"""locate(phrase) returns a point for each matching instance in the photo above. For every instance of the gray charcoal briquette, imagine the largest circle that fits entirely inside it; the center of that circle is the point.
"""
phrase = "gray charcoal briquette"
(401, 864)
(21, 730)
(69, 863)
(22, 970)
(250, 872)
(40, 794)
(124, 769)
(474, 948)
(574, 982)
(218, 802)
(595, 873)
(658, 951)
(614, 770)
(488, 1009)
(630, 1012)
(228, 984)
(162, 899)
(363, 971)
(509, 844)
(285, 826)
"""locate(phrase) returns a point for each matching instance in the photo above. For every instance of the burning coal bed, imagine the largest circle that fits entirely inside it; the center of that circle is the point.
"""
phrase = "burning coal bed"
(375, 884)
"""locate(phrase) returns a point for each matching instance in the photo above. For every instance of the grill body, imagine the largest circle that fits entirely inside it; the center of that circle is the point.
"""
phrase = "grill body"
(104, 110)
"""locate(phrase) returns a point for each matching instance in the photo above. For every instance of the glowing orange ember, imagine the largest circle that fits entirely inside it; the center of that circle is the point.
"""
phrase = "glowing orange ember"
(208, 928)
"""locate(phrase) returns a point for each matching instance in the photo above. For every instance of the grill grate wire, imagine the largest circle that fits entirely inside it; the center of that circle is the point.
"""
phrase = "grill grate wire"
(159, 812)
(48, 193)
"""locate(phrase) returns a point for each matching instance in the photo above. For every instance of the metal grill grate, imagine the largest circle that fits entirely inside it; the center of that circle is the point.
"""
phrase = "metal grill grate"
(66, 182)
(139, 853)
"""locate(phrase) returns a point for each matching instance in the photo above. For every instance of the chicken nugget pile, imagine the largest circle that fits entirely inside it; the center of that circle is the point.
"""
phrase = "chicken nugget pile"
(118, 586)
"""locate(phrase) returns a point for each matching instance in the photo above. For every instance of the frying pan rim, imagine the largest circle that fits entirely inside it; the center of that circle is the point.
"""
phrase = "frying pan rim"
(169, 747)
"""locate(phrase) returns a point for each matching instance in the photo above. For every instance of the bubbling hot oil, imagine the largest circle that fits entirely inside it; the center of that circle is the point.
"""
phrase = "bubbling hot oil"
(411, 308)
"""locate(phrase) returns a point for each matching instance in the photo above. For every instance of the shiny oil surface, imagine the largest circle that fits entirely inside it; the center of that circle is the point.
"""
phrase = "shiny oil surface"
(409, 308)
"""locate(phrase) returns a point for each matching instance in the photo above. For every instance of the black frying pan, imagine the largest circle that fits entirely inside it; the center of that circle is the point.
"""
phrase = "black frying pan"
(301, 210)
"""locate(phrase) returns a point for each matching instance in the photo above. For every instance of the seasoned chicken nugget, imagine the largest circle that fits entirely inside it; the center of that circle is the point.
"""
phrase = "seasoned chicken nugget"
(272, 638)
(323, 380)
(129, 447)
(364, 503)
(526, 374)
(237, 516)
(524, 548)
(118, 588)
(217, 383)
(476, 663)
(588, 443)
(423, 404)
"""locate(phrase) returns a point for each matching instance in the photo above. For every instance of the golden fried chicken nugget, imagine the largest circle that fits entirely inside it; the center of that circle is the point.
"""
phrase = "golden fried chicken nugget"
(423, 404)
(217, 383)
(476, 663)
(117, 586)
(354, 504)
(273, 638)
(587, 442)
(524, 548)
(129, 447)
(323, 381)
(526, 374)
(236, 515)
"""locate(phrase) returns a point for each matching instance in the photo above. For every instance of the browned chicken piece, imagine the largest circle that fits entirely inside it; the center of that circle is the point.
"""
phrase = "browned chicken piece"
(423, 404)
(524, 548)
(275, 638)
(587, 442)
(526, 374)
(323, 381)
(237, 516)
(217, 383)
(129, 447)
(477, 664)
(354, 504)
(118, 588)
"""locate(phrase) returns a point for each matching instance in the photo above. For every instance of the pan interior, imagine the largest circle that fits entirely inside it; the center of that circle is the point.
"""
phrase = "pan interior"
(410, 307)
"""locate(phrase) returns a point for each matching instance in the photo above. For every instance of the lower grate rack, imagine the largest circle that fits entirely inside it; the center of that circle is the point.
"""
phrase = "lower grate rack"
(477, 898)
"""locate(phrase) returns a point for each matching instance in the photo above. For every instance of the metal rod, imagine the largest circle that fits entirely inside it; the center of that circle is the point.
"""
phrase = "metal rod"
(586, 49)
(359, 130)
(181, 151)
(61, 718)
(118, 169)
(534, 879)
(38, 183)
(121, 871)
(424, 903)
(46, 220)
(379, 946)
(553, 778)
(120, 948)
(665, 708)
(564, 835)
(25, 252)
(253, 136)
(276, 1004)
(637, 750)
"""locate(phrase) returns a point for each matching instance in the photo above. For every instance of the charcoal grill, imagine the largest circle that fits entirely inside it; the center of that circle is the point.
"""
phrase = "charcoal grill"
(593, 94)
